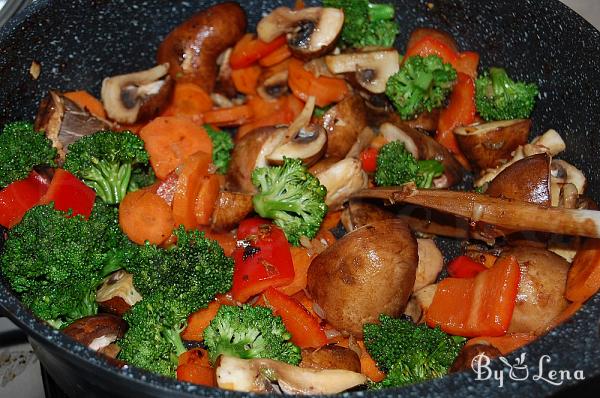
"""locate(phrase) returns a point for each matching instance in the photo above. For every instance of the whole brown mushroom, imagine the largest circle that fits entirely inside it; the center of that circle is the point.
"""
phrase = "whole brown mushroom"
(344, 123)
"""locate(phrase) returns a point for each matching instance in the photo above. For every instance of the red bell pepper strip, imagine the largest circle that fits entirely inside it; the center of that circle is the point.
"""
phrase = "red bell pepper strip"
(464, 267)
(467, 63)
(195, 368)
(20, 196)
(368, 159)
(249, 50)
(305, 328)
(460, 111)
(431, 46)
(69, 194)
(262, 260)
(479, 306)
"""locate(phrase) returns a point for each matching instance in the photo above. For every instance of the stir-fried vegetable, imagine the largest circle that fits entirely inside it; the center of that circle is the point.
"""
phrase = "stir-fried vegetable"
(397, 166)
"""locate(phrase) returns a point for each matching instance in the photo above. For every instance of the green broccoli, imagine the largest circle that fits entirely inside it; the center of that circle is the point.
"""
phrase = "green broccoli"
(141, 177)
(56, 262)
(222, 146)
(366, 24)
(421, 84)
(292, 197)
(105, 161)
(409, 353)
(22, 148)
(397, 166)
(249, 332)
(498, 97)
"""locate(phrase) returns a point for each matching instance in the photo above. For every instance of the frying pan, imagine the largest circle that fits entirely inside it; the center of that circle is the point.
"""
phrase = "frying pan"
(80, 42)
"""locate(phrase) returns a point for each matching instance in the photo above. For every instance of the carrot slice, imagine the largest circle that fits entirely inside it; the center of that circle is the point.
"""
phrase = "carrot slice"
(272, 113)
(505, 344)
(188, 185)
(304, 84)
(246, 79)
(583, 280)
(368, 367)
(226, 240)
(276, 57)
(301, 260)
(198, 321)
(234, 116)
(87, 101)
(170, 140)
(188, 99)
(194, 367)
(145, 216)
(207, 198)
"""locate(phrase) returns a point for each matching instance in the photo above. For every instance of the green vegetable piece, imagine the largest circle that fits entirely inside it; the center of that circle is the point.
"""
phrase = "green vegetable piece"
(222, 147)
(397, 166)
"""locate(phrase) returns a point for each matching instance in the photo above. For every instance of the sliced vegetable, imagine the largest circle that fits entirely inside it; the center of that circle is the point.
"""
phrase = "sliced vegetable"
(233, 116)
(464, 267)
(262, 260)
(301, 260)
(467, 63)
(583, 280)
(20, 196)
(368, 159)
(368, 366)
(505, 344)
(429, 45)
(193, 173)
(304, 84)
(277, 56)
(69, 194)
(207, 198)
(246, 79)
(250, 49)
(198, 321)
(479, 306)
(145, 216)
(188, 99)
(195, 368)
(87, 101)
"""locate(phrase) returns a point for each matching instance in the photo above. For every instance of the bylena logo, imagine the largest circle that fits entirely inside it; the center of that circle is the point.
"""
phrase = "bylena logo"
(519, 371)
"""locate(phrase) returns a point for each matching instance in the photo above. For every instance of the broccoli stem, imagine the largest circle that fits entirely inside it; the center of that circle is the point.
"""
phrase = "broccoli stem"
(500, 80)
(268, 208)
(174, 337)
(109, 180)
(381, 12)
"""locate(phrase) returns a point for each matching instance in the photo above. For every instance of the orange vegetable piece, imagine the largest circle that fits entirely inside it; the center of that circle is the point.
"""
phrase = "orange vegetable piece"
(207, 197)
(87, 101)
(246, 79)
(195, 368)
(276, 57)
(583, 280)
(505, 344)
(170, 140)
(304, 84)
(188, 99)
(145, 216)
(234, 116)
(301, 260)
(199, 320)
(194, 169)
(225, 239)
(368, 367)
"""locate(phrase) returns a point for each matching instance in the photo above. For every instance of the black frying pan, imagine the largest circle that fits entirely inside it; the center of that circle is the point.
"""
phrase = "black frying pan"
(79, 42)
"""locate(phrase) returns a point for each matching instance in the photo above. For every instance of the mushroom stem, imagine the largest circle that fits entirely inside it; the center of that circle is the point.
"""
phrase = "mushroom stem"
(302, 120)
(512, 215)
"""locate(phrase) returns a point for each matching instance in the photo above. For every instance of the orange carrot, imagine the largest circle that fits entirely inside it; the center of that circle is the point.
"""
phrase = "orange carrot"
(225, 239)
(246, 79)
(207, 197)
(299, 5)
(262, 107)
(276, 57)
(188, 185)
(272, 113)
(505, 344)
(304, 84)
(368, 367)
(198, 321)
(583, 280)
(233, 116)
(170, 140)
(188, 99)
(145, 216)
(194, 367)
(87, 101)
(301, 260)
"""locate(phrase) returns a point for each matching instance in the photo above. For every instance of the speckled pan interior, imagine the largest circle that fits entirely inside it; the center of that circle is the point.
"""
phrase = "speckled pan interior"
(79, 42)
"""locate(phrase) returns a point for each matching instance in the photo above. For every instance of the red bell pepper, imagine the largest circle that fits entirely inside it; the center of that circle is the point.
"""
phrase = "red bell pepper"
(249, 50)
(464, 267)
(262, 259)
(20, 196)
(464, 62)
(479, 306)
(305, 328)
(460, 111)
(368, 159)
(467, 63)
(194, 367)
(70, 194)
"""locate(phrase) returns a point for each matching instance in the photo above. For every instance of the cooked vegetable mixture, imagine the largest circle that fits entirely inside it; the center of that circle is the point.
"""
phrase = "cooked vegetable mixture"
(220, 218)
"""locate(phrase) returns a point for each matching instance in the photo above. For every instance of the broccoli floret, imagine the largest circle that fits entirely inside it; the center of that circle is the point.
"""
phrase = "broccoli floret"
(56, 262)
(105, 160)
(222, 146)
(141, 177)
(292, 197)
(498, 97)
(409, 353)
(421, 84)
(366, 24)
(22, 148)
(249, 332)
(397, 166)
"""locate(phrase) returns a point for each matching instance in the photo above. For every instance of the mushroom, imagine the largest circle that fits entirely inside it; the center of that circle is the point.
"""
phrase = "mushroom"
(224, 84)
(419, 303)
(330, 357)
(116, 294)
(255, 375)
(467, 359)
(362, 275)
(137, 96)
(250, 152)
(308, 145)
(342, 179)
(311, 31)
(230, 209)
(344, 123)
(64, 122)
(431, 262)
(193, 47)
(372, 69)
(489, 145)
(565, 173)
(273, 83)
(97, 331)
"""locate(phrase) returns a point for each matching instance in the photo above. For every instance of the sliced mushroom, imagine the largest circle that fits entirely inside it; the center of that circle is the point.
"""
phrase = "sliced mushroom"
(116, 294)
(137, 96)
(97, 331)
(344, 123)
(273, 84)
(343, 179)
(311, 31)
(230, 209)
(565, 173)
(431, 262)
(419, 303)
(330, 357)
(372, 69)
(254, 375)
(308, 145)
(64, 122)
(490, 145)
(224, 84)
